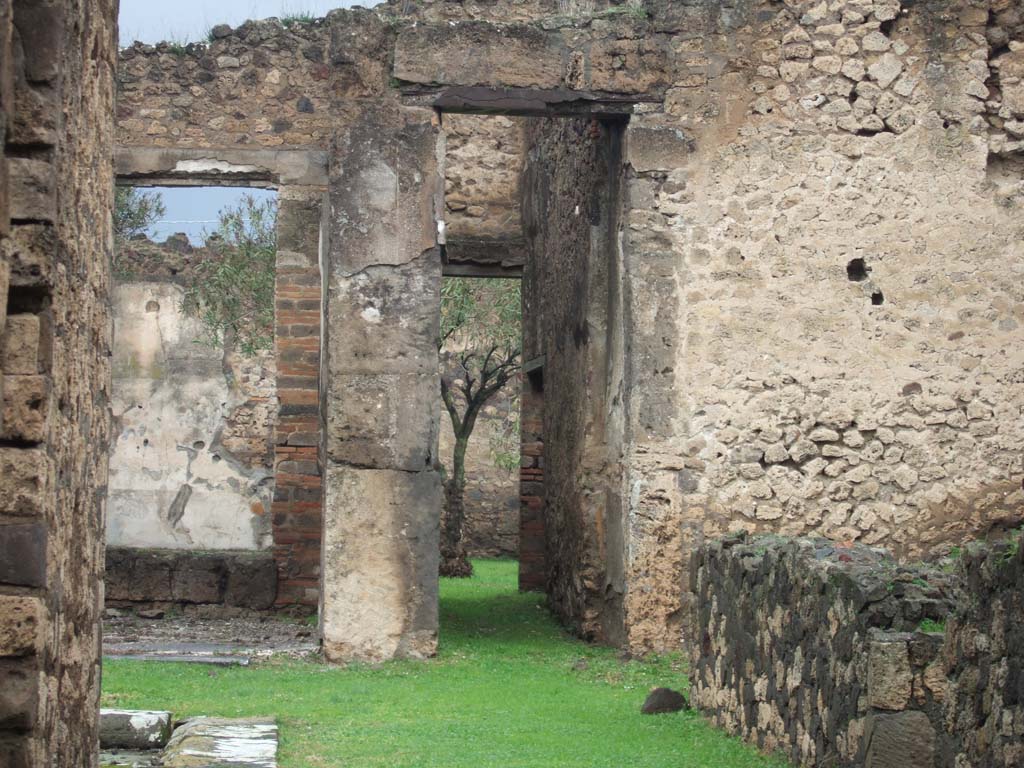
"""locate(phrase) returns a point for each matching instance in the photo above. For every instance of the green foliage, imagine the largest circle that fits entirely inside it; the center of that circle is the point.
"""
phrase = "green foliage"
(232, 291)
(509, 688)
(930, 625)
(294, 19)
(481, 327)
(135, 211)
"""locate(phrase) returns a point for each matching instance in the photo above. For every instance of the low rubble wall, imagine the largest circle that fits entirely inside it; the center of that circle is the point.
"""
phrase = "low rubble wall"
(816, 650)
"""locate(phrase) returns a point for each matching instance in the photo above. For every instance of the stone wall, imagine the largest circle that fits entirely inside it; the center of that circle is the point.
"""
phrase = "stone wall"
(191, 465)
(817, 650)
(570, 217)
(57, 64)
(984, 655)
(805, 646)
(820, 261)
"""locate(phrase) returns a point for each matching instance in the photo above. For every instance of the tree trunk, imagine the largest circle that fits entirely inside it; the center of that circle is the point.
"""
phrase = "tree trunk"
(454, 562)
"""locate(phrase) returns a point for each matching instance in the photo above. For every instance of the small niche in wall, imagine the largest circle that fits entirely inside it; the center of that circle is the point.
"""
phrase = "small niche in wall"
(877, 298)
(857, 270)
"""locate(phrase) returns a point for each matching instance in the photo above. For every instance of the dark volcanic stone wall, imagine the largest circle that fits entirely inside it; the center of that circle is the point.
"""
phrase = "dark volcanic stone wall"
(57, 64)
(809, 647)
(570, 214)
(984, 653)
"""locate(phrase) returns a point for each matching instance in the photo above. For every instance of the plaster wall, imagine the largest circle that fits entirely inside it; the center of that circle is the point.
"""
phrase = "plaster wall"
(175, 481)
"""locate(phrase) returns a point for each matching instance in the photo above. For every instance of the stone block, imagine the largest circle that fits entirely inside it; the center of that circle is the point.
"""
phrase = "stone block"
(386, 319)
(478, 53)
(903, 740)
(889, 674)
(380, 561)
(384, 421)
(252, 581)
(298, 232)
(656, 148)
(386, 190)
(32, 254)
(205, 741)
(36, 111)
(23, 555)
(19, 345)
(5, 282)
(134, 729)
(20, 620)
(33, 189)
(40, 26)
(19, 696)
(26, 403)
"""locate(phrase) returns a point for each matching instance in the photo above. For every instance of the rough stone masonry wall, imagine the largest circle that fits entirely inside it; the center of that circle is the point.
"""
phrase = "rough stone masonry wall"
(570, 217)
(810, 648)
(815, 649)
(826, 281)
(57, 63)
(984, 655)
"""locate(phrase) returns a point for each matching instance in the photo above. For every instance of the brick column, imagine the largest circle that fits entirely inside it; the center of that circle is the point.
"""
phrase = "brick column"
(298, 509)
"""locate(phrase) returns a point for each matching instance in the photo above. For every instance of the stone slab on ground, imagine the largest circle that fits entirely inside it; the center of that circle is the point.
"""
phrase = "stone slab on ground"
(187, 658)
(117, 758)
(134, 729)
(203, 742)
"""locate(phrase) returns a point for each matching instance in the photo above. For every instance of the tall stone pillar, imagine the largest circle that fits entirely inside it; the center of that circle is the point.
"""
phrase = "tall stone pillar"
(383, 494)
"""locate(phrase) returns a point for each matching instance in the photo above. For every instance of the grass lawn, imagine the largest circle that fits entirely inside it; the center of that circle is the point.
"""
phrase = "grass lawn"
(507, 689)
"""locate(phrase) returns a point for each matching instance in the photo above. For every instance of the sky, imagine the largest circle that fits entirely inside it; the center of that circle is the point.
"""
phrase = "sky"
(194, 210)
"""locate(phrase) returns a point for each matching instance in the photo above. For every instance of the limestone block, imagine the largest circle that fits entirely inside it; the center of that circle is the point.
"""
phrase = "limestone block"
(384, 421)
(134, 729)
(904, 740)
(31, 258)
(476, 53)
(380, 561)
(33, 189)
(889, 675)
(20, 619)
(386, 319)
(208, 741)
(19, 345)
(657, 148)
(26, 402)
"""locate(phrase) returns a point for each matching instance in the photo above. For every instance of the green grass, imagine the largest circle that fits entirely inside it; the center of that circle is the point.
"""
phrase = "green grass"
(509, 688)
(930, 625)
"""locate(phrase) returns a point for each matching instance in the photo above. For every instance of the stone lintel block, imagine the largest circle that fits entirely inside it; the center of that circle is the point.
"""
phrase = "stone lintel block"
(19, 695)
(386, 319)
(658, 148)
(23, 481)
(134, 729)
(20, 623)
(890, 678)
(380, 561)
(386, 190)
(479, 53)
(287, 167)
(26, 405)
(33, 189)
(384, 421)
(19, 345)
(23, 554)
(902, 740)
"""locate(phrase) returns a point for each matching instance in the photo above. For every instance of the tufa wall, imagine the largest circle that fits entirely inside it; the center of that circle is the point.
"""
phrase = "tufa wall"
(820, 252)
(571, 322)
(57, 63)
(815, 649)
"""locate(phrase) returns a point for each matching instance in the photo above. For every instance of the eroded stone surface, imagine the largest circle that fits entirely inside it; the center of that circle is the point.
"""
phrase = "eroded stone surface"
(221, 741)
(134, 729)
